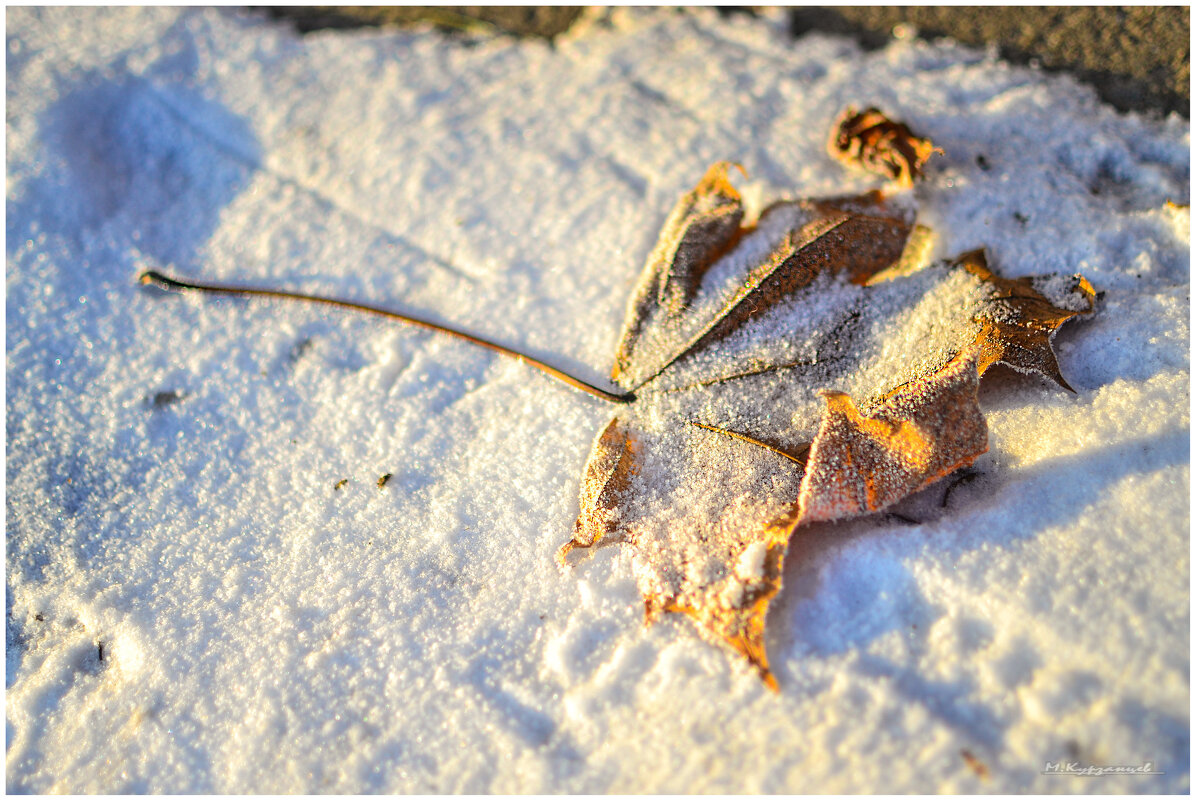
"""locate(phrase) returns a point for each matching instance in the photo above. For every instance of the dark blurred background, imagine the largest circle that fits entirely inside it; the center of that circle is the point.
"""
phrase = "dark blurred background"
(1136, 57)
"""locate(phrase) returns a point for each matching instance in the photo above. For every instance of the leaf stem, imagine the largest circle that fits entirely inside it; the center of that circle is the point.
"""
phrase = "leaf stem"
(173, 284)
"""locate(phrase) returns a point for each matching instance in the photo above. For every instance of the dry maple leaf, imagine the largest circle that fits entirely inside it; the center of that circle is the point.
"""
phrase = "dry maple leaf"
(807, 368)
(800, 366)
(880, 145)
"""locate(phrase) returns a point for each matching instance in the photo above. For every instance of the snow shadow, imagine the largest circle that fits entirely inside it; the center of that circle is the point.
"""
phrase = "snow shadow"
(1068, 487)
(861, 598)
(129, 162)
(845, 605)
(128, 173)
(508, 693)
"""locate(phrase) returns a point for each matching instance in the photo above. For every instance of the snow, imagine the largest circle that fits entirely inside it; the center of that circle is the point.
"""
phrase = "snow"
(171, 462)
(750, 566)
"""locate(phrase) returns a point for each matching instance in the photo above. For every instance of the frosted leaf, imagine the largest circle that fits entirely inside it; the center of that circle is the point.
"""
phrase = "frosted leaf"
(810, 367)
(746, 271)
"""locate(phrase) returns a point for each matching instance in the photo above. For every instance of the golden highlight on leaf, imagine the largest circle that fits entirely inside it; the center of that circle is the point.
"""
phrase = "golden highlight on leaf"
(862, 463)
(916, 254)
(737, 619)
(606, 476)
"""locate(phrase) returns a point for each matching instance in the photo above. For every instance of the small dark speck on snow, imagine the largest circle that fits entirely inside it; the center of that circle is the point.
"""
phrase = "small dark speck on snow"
(160, 400)
(978, 767)
(300, 348)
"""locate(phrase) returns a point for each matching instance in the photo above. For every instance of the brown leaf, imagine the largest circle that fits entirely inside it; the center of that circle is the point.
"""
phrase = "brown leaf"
(808, 368)
(871, 140)
(1019, 322)
(861, 463)
(702, 226)
(857, 235)
(607, 473)
(719, 562)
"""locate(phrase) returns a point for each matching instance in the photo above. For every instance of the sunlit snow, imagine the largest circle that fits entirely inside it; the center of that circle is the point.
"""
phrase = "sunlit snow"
(208, 591)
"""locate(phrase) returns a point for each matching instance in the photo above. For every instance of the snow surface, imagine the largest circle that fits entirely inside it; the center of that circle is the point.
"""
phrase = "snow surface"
(193, 607)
